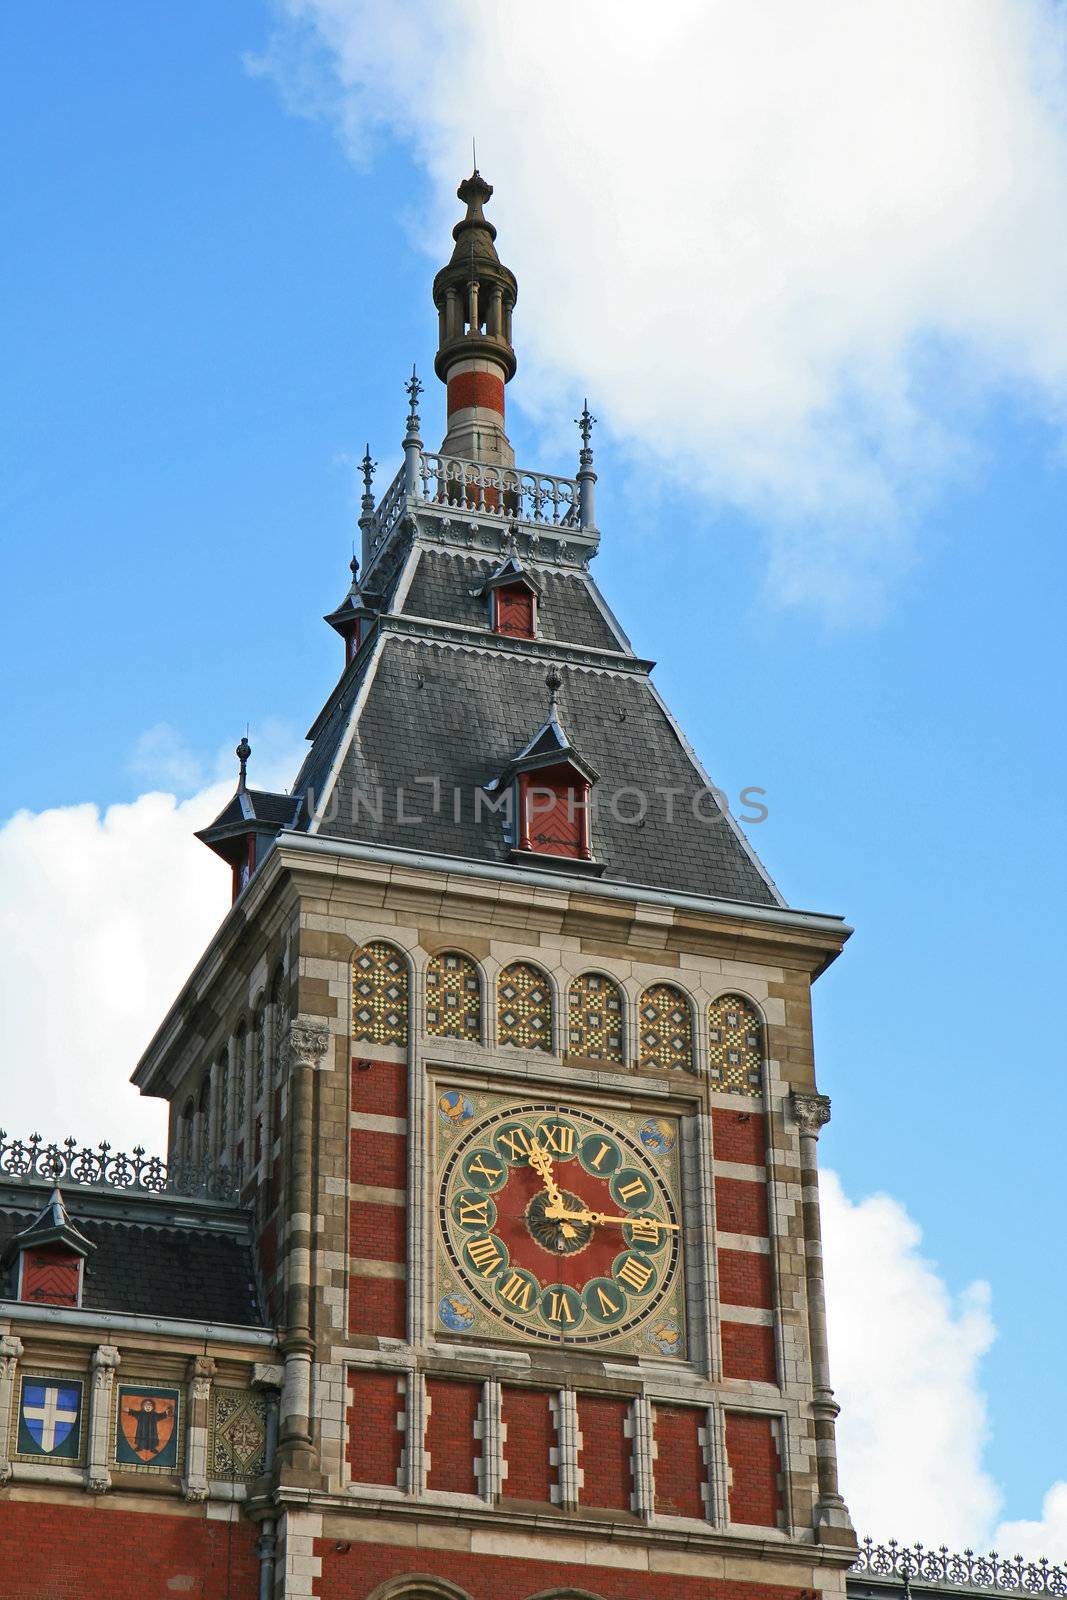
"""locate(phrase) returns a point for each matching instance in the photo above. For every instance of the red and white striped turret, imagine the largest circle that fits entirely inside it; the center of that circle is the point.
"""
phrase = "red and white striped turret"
(475, 296)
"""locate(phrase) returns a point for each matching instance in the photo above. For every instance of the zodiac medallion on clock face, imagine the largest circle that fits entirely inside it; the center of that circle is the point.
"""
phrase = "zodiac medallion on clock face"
(563, 1224)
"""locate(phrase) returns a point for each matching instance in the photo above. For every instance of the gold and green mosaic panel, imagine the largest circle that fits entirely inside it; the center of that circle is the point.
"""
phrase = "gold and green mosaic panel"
(665, 1028)
(238, 1434)
(453, 997)
(735, 1046)
(524, 1008)
(379, 995)
(595, 1018)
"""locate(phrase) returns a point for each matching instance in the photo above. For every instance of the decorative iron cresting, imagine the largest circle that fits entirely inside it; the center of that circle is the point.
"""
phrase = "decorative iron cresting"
(103, 1167)
(915, 1564)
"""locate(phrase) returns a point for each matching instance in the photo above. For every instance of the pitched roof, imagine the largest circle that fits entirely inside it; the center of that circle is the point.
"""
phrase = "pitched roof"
(155, 1256)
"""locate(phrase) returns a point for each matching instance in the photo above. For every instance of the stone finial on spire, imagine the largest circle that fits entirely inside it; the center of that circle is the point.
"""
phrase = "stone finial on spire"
(586, 475)
(553, 683)
(413, 389)
(368, 468)
(242, 752)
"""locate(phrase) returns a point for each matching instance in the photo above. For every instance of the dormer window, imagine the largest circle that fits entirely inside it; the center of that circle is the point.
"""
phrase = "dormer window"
(51, 1257)
(554, 812)
(515, 611)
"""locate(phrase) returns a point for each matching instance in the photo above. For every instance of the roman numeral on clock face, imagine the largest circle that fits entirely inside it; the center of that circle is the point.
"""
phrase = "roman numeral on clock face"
(635, 1275)
(608, 1307)
(518, 1292)
(596, 1159)
(559, 1138)
(484, 1170)
(636, 1188)
(473, 1211)
(559, 1308)
(485, 1255)
(516, 1142)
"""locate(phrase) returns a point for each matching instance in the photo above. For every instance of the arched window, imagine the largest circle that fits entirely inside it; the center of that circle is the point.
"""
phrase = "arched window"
(418, 1586)
(453, 997)
(735, 1046)
(379, 995)
(278, 1022)
(241, 1086)
(185, 1132)
(595, 1018)
(222, 1123)
(666, 1028)
(524, 1007)
(203, 1117)
(259, 1053)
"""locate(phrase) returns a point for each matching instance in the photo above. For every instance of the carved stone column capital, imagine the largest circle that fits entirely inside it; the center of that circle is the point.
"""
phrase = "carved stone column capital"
(811, 1112)
(308, 1042)
(199, 1373)
(11, 1348)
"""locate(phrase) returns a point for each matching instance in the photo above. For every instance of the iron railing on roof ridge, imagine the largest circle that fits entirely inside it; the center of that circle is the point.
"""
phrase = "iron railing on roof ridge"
(540, 498)
(103, 1167)
(1002, 1574)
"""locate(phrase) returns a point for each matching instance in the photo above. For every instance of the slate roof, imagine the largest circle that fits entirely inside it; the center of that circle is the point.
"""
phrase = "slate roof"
(566, 610)
(194, 1264)
(465, 720)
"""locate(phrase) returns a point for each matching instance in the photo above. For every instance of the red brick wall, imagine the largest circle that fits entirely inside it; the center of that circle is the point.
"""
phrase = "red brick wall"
(378, 1232)
(374, 1440)
(377, 1306)
(380, 1089)
(748, 1352)
(604, 1454)
(531, 1435)
(739, 1136)
(357, 1570)
(67, 1552)
(450, 1435)
(754, 1467)
(379, 1158)
(745, 1279)
(680, 1469)
(741, 1207)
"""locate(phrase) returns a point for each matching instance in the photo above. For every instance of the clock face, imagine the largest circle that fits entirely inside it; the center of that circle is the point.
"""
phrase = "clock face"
(559, 1223)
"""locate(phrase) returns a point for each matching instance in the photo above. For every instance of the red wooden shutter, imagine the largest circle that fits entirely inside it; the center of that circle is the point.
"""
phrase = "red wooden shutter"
(515, 612)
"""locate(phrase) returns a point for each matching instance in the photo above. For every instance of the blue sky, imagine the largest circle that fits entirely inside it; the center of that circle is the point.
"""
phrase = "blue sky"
(209, 307)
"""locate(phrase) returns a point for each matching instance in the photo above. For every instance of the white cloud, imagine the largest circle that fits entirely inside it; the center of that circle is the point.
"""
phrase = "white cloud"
(904, 1356)
(789, 250)
(103, 916)
(1046, 1537)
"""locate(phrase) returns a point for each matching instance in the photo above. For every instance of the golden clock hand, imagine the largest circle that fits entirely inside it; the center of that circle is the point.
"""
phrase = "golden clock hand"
(559, 1213)
(541, 1162)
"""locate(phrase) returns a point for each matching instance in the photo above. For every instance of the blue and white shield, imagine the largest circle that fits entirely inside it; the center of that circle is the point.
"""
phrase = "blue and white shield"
(50, 1418)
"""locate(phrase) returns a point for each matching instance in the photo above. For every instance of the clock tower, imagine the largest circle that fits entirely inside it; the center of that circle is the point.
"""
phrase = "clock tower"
(508, 1036)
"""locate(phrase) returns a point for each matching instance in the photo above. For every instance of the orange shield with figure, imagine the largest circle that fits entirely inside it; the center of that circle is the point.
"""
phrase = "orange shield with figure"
(148, 1426)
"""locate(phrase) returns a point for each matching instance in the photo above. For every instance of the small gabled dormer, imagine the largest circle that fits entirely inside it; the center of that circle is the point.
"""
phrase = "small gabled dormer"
(511, 595)
(355, 615)
(248, 825)
(551, 796)
(51, 1258)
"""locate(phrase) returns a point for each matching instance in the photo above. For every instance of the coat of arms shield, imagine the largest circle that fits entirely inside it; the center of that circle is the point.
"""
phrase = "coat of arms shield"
(50, 1418)
(147, 1426)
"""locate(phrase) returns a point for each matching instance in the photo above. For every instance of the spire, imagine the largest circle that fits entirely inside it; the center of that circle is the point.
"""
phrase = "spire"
(475, 295)
(242, 752)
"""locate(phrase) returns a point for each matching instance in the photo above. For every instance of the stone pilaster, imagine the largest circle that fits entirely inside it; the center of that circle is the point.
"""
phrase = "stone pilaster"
(413, 1469)
(198, 1400)
(106, 1360)
(308, 1042)
(811, 1113)
(643, 1457)
(565, 1406)
(490, 1432)
(10, 1350)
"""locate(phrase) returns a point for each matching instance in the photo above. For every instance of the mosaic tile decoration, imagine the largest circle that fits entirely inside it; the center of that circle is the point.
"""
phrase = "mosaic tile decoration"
(665, 1028)
(379, 995)
(735, 1046)
(524, 1008)
(238, 1434)
(595, 1018)
(453, 997)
